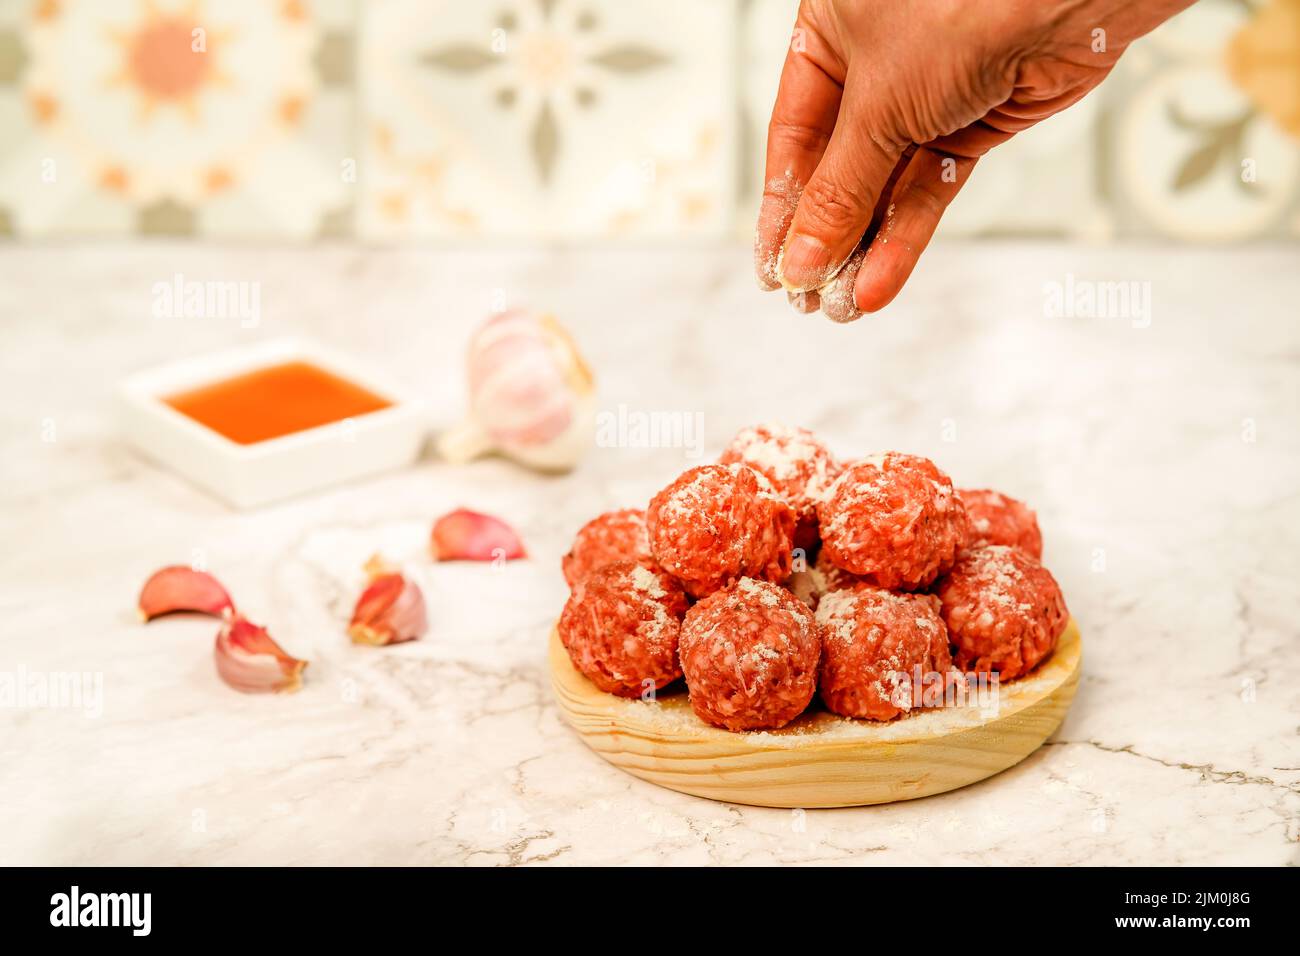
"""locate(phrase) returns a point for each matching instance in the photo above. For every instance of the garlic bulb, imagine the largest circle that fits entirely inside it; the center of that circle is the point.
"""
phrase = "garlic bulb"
(531, 395)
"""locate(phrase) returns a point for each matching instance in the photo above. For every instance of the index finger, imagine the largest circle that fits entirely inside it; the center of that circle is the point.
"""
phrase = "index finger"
(803, 118)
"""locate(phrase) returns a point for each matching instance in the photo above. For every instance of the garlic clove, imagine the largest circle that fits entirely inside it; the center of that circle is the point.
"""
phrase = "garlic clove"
(390, 610)
(180, 588)
(251, 662)
(465, 535)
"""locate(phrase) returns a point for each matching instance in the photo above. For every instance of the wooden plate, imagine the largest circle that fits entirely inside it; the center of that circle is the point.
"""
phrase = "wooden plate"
(820, 760)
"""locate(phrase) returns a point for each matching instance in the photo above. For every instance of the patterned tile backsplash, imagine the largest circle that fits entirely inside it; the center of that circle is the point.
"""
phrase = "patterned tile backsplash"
(396, 120)
(546, 119)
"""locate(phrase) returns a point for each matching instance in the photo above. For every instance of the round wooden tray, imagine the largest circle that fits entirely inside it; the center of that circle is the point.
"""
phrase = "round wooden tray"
(820, 760)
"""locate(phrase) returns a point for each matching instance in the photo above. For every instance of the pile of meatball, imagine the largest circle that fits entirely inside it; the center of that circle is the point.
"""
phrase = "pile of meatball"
(779, 574)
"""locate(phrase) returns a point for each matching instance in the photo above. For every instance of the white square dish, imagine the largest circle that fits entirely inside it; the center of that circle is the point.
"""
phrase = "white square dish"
(247, 476)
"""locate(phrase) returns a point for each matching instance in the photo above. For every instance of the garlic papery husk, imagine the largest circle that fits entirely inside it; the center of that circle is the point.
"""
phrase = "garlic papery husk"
(531, 395)
(178, 588)
(250, 661)
(390, 610)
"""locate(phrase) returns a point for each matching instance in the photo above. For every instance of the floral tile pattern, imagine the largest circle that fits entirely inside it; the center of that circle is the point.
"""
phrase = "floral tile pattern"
(191, 117)
(571, 118)
(395, 120)
(1204, 133)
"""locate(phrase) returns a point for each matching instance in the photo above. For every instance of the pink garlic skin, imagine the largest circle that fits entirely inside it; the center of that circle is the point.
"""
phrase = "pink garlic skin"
(391, 610)
(531, 394)
(251, 662)
(464, 535)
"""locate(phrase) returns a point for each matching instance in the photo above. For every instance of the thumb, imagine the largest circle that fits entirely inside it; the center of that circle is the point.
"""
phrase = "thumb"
(836, 207)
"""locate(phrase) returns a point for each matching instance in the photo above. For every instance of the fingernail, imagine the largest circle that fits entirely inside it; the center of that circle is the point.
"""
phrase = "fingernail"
(805, 263)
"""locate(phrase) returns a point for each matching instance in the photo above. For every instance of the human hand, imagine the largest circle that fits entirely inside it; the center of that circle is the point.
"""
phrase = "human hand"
(884, 108)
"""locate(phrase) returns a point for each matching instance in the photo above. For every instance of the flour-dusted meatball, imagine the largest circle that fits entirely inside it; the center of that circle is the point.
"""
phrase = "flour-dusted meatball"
(750, 656)
(879, 650)
(1003, 609)
(894, 519)
(718, 523)
(797, 464)
(613, 536)
(996, 518)
(621, 625)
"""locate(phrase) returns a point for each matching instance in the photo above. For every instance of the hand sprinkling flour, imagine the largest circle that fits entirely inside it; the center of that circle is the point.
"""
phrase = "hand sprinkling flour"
(885, 107)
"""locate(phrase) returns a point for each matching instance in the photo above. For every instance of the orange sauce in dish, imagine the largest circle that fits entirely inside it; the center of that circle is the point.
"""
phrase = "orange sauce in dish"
(274, 401)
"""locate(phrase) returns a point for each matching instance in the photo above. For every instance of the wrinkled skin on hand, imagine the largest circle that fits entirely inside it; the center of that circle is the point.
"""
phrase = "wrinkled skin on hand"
(883, 110)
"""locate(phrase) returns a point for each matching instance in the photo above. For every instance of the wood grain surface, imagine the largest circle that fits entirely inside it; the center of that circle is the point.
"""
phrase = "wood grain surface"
(821, 760)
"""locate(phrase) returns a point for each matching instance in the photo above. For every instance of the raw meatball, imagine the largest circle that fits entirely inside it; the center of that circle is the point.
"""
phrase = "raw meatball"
(1003, 609)
(614, 536)
(797, 464)
(873, 642)
(996, 518)
(718, 523)
(750, 656)
(893, 519)
(621, 625)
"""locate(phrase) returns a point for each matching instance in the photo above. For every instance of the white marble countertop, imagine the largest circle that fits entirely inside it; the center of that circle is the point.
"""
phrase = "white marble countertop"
(1164, 463)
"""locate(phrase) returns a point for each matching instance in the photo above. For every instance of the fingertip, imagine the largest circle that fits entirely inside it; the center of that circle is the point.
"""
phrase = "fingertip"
(837, 298)
(878, 283)
(917, 203)
(805, 303)
(765, 269)
(780, 199)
